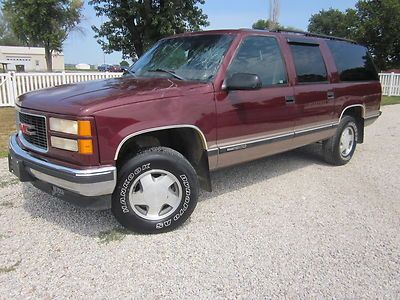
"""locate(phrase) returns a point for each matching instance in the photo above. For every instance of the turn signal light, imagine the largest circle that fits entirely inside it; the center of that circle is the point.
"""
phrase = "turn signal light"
(85, 146)
(84, 128)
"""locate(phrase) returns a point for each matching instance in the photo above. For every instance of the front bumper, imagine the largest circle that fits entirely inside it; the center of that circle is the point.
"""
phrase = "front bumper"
(90, 188)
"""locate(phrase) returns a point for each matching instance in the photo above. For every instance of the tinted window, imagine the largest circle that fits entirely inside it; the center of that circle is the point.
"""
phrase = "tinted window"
(260, 55)
(352, 61)
(309, 63)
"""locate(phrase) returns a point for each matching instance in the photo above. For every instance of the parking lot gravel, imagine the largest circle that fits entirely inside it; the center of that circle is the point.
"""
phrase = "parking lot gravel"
(287, 226)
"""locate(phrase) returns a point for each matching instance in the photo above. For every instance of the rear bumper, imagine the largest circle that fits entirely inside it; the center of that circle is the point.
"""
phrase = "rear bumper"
(89, 188)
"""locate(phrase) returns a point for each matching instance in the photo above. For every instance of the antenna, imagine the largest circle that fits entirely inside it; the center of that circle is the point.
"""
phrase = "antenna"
(274, 11)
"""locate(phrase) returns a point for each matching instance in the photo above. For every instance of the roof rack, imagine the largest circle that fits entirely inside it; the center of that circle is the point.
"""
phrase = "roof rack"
(310, 34)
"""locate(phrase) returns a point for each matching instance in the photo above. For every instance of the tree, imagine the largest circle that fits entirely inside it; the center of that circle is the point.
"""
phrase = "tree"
(379, 31)
(334, 22)
(7, 36)
(267, 24)
(124, 63)
(133, 26)
(44, 23)
(373, 23)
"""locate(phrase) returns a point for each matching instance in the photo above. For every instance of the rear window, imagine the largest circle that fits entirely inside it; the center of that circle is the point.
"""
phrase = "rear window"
(309, 63)
(353, 62)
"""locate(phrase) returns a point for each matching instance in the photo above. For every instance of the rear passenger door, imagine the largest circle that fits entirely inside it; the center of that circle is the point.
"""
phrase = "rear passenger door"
(314, 96)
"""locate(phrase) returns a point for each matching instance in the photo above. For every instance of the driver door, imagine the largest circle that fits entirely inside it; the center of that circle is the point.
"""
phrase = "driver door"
(259, 122)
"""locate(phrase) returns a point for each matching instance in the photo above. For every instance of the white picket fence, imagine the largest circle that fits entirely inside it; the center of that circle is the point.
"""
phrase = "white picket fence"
(14, 84)
(390, 84)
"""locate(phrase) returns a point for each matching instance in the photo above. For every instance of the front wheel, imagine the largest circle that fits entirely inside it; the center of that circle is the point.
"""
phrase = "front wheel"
(156, 191)
(339, 149)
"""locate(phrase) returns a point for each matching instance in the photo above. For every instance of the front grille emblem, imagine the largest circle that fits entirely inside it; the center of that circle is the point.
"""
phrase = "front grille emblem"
(27, 129)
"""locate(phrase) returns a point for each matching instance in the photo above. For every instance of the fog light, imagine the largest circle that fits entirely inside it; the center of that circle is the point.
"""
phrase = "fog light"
(65, 144)
(85, 146)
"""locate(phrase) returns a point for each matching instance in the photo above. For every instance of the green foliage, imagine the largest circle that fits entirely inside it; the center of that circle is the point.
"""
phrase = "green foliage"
(124, 63)
(334, 22)
(133, 26)
(373, 23)
(267, 24)
(44, 23)
(261, 24)
(379, 30)
(7, 36)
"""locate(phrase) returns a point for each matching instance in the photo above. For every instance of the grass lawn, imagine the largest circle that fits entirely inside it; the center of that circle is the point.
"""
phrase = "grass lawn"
(7, 127)
(7, 123)
(386, 100)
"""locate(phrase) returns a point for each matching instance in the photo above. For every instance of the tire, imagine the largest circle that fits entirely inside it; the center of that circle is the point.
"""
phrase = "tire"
(156, 191)
(337, 150)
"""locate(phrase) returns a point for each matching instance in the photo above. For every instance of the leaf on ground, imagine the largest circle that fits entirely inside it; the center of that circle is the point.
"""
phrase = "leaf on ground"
(10, 268)
(113, 235)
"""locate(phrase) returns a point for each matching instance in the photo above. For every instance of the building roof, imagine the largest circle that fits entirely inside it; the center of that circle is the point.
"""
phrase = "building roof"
(23, 50)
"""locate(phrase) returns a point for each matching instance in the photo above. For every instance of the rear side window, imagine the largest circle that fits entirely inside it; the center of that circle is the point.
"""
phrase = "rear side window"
(309, 63)
(260, 55)
(353, 62)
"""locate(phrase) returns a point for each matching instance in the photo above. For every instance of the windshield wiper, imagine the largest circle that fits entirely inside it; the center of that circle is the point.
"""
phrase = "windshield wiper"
(130, 72)
(170, 72)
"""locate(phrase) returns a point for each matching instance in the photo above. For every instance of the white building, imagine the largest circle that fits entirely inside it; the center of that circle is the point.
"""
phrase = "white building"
(29, 59)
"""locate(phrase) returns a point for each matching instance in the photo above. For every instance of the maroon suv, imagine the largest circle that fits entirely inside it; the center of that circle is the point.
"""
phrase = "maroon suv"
(142, 144)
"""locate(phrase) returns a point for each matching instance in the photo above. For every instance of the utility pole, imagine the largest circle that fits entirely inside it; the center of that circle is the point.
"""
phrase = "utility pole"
(274, 10)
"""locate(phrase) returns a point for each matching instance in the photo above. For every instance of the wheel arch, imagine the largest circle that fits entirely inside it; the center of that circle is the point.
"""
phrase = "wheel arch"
(357, 111)
(188, 140)
(353, 107)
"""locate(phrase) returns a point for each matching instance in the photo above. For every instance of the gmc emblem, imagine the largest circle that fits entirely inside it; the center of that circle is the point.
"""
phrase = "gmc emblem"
(27, 129)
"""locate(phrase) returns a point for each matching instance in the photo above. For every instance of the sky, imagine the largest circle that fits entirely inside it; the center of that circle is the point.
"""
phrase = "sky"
(222, 14)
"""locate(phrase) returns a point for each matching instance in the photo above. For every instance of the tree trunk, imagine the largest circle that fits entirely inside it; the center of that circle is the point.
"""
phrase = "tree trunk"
(49, 59)
(139, 47)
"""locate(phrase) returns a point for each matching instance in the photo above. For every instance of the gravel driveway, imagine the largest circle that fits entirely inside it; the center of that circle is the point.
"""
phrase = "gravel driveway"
(284, 226)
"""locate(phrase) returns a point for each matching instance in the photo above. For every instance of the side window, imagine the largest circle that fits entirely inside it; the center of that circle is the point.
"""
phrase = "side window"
(353, 62)
(309, 63)
(260, 55)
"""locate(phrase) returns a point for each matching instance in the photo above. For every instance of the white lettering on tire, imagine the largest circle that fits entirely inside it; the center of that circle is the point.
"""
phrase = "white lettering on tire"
(125, 186)
(185, 205)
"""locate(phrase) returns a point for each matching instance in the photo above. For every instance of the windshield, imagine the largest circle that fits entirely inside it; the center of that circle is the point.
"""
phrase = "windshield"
(194, 58)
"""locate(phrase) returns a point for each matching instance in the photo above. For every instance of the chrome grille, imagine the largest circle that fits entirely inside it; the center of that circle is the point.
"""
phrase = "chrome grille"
(37, 126)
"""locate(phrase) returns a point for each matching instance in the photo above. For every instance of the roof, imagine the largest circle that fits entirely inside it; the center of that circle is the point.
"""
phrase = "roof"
(273, 32)
(13, 50)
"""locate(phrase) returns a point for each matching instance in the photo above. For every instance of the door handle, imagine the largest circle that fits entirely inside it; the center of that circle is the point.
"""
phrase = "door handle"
(290, 99)
(331, 95)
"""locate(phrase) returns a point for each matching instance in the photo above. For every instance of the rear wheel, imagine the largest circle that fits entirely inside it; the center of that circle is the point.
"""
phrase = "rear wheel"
(156, 191)
(339, 149)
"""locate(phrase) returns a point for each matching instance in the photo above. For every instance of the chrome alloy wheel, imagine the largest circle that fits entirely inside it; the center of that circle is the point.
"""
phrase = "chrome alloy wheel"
(347, 140)
(155, 195)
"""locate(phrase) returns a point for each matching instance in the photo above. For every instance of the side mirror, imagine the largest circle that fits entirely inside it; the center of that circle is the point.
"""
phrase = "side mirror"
(242, 81)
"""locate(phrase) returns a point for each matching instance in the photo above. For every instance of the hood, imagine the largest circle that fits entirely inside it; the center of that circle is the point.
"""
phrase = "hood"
(88, 97)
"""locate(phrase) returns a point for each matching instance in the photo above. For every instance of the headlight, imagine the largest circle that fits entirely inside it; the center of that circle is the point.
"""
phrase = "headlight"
(82, 128)
(64, 126)
(65, 144)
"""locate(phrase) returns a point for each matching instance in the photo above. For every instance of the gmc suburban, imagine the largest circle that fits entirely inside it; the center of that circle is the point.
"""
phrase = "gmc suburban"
(144, 143)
